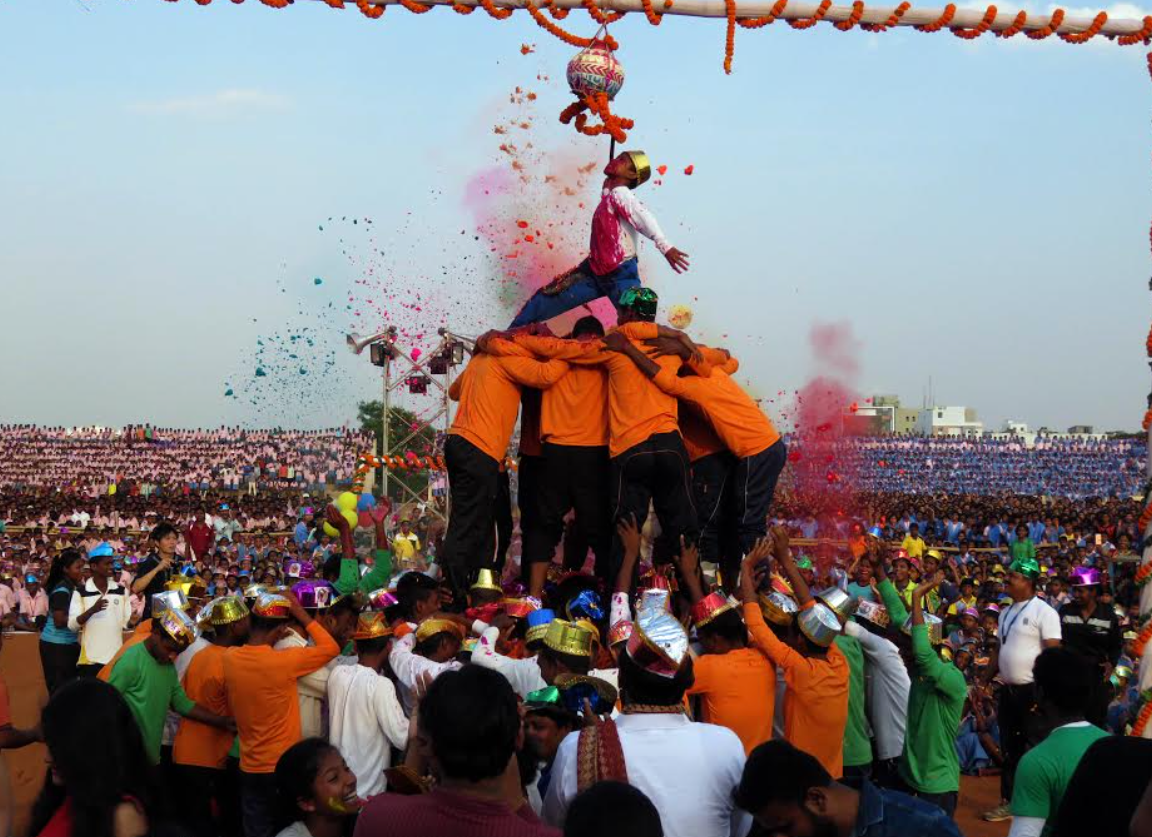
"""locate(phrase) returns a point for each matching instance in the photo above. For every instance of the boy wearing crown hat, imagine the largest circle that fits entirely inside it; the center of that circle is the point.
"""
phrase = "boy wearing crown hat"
(612, 265)
(816, 707)
(261, 686)
(1090, 628)
(146, 677)
(426, 653)
(200, 751)
(367, 720)
(737, 684)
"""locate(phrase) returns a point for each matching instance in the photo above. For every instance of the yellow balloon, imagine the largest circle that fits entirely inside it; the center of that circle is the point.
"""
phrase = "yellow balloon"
(351, 516)
(346, 501)
(330, 531)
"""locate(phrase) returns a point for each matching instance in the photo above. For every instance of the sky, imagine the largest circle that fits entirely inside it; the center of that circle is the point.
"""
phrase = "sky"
(199, 202)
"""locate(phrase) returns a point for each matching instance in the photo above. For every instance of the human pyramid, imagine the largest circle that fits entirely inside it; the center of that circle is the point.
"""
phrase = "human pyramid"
(645, 698)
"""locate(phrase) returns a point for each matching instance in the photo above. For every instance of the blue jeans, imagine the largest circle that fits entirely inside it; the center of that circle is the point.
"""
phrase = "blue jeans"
(585, 287)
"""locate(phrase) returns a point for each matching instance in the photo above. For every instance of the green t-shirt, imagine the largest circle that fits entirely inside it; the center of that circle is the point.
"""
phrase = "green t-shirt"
(1046, 769)
(380, 573)
(1023, 549)
(857, 742)
(349, 579)
(935, 704)
(149, 689)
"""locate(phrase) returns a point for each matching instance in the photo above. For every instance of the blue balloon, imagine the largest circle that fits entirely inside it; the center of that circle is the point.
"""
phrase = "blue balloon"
(366, 502)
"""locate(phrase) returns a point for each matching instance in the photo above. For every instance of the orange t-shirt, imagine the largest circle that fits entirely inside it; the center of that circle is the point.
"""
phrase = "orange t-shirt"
(138, 636)
(198, 744)
(261, 686)
(489, 394)
(637, 409)
(738, 691)
(575, 411)
(700, 439)
(816, 707)
(735, 417)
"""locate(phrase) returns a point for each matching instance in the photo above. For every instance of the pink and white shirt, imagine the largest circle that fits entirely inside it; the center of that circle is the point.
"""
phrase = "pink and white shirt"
(618, 218)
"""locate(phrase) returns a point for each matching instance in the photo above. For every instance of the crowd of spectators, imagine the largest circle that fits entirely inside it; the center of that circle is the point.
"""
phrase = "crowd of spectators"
(149, 460)
(1065, 467)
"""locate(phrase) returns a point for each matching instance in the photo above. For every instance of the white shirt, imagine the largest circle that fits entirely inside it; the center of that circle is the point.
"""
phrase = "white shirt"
(524, 675)
(408, 666)
(366, 722)
(687, 769)
(103, 634)
(312, 689)
(887, 684)
(1024, 627)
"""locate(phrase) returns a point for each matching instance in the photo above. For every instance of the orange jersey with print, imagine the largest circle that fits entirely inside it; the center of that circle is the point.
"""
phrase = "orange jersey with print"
(637, 409)
(737, 420)
(261, 686)
(489, 394)
(816, 703)
(198, 744)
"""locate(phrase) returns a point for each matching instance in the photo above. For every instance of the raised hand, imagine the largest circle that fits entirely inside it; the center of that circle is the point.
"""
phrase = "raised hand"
(677, 259)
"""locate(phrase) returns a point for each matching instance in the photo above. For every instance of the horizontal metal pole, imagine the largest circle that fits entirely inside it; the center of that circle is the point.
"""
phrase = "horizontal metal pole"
(964, 18)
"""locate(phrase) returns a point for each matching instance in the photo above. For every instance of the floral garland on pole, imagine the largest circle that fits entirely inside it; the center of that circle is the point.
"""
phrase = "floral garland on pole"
(1144, 573)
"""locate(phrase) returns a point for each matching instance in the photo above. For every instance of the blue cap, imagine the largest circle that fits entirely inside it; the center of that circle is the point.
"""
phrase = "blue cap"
(586, 604)
(31, 578)
(101, 550)
(540, 617)
(876, 532)
(224, 507)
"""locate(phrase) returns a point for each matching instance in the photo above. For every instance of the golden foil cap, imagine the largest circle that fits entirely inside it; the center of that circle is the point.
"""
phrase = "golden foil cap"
(485, 580)
(431, 627)
(371, 625)
(642, 164)
(569, 638)
(224, 611)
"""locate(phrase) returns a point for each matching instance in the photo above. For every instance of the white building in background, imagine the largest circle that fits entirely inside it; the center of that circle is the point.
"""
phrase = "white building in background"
(949, 421)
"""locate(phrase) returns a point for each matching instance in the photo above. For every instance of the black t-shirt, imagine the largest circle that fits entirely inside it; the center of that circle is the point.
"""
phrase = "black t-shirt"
(1099, 637)
(156, 585)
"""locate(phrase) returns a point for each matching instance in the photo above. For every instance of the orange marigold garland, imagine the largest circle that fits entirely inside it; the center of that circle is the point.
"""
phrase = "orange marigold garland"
(654, 17)
(730, 37)
(983, 26)
(1145, 714)
(892, 20)
(499, 14)
(1088, 34)
(853, 18)
(771, 17)
(1144, 34)
(821, 10)
(415, 7)
(1053, 23)
(599, 16)
(941, 22)
(1016, 28)
(369, 10)
(553, 29)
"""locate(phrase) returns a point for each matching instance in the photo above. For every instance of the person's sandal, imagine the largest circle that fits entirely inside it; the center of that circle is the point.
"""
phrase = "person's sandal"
(998, 814)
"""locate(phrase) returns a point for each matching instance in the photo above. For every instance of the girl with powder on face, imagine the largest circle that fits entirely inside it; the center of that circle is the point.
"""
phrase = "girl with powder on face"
(317, 791)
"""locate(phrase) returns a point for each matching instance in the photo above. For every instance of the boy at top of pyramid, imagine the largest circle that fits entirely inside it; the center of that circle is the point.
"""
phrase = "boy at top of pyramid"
(612, 265)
